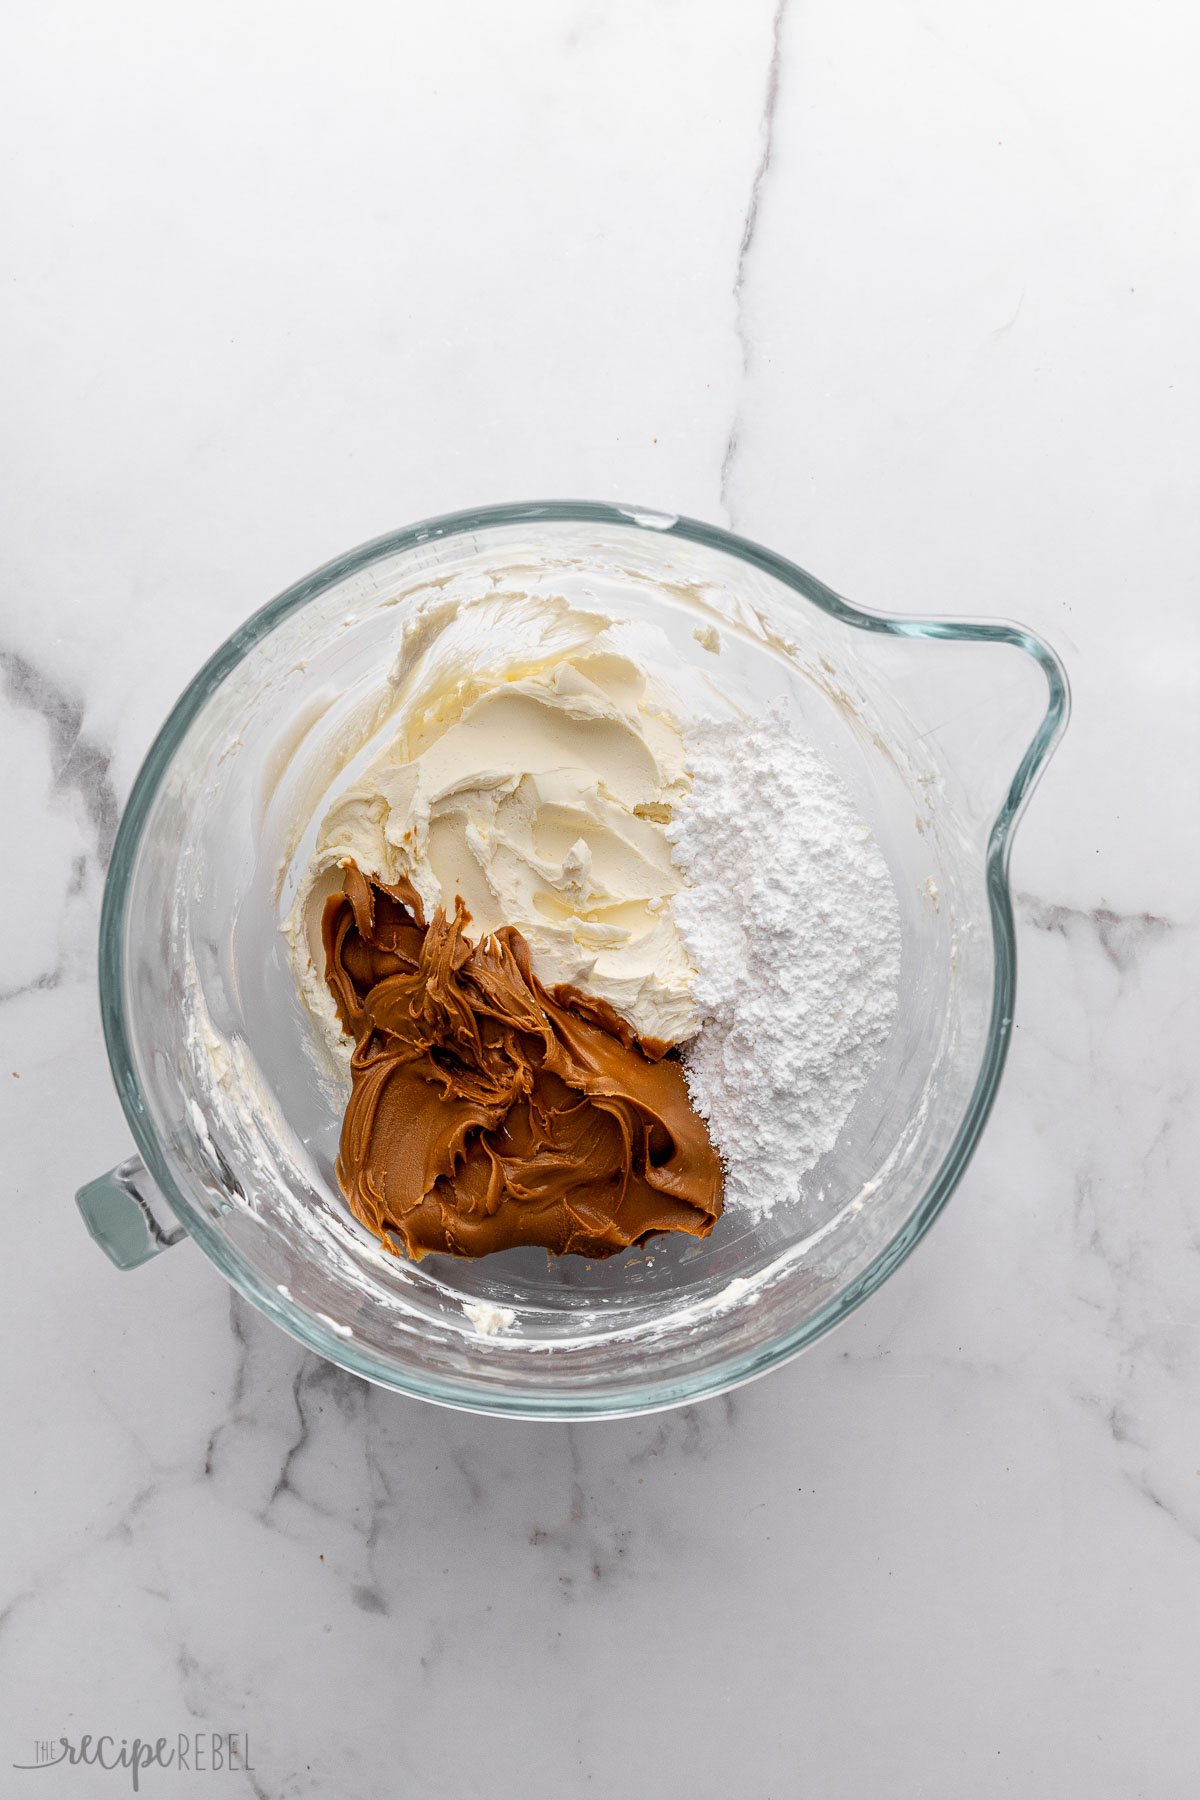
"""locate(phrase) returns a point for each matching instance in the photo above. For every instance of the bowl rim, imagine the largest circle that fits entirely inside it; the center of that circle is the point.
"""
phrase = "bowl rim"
(639, 1396)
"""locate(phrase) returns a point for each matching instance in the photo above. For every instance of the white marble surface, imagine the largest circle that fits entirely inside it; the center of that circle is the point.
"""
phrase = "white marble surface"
(908, 291)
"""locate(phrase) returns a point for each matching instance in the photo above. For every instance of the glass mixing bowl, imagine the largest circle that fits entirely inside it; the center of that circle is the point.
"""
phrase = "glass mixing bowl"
(939, 729)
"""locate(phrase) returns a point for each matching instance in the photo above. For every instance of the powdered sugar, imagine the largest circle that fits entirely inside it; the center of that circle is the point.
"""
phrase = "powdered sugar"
(791, 923)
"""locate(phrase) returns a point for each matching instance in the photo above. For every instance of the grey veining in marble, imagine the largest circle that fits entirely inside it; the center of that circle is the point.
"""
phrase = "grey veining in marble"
(909, 293)
(78, 764)
(749, 230)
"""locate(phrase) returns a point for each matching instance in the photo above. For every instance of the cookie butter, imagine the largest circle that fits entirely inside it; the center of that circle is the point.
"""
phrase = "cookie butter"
(487, 1112)
(529, 766)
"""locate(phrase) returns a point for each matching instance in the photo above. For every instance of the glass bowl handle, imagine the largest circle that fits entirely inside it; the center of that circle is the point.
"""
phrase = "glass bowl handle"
(127, 1215)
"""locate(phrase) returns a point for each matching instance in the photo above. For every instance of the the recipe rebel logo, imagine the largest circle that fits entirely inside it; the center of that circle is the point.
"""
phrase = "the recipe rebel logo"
(188, 1752)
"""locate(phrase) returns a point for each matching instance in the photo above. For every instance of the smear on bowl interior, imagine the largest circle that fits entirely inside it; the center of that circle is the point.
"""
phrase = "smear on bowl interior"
(598, 964)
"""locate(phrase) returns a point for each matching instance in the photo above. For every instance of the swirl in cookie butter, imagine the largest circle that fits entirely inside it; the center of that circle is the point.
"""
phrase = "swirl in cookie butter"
(487, 1112)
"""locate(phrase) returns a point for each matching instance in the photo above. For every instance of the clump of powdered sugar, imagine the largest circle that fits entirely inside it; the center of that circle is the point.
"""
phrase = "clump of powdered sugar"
(791, 923)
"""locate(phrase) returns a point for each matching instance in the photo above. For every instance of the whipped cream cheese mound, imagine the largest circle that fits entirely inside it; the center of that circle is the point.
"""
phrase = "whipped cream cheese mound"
(537, 788)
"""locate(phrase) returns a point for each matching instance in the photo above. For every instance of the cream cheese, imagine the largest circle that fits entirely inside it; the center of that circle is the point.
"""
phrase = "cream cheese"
(537, 789)
(487, 1319)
